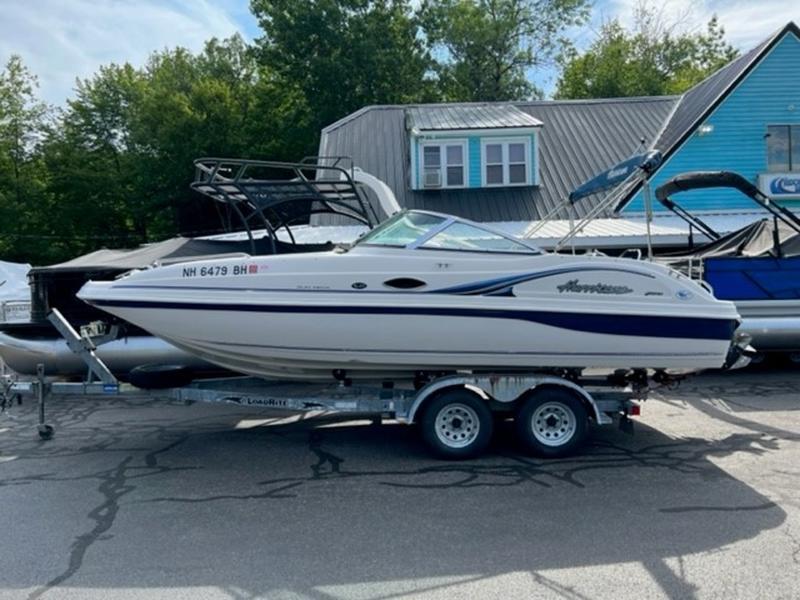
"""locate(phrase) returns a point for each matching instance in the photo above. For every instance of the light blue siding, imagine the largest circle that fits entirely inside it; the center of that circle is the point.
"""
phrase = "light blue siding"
(770, 94)
(474, 147)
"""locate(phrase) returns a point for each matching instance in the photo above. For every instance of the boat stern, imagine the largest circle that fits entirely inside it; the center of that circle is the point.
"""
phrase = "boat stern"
(741, 352)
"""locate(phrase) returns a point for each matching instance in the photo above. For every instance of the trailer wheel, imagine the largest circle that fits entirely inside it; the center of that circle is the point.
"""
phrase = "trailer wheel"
(46, 432)
(457, 424)
(552, 423)
(159, 377)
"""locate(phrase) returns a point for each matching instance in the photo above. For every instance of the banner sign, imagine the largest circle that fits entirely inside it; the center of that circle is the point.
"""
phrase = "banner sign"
(780, 185)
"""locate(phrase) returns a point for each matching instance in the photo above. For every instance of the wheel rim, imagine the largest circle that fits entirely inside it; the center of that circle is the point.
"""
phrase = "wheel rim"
(457, 425)
(553, 424)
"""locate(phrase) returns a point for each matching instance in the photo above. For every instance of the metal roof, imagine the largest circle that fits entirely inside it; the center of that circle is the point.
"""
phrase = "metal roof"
(578, 139)
(438, 117)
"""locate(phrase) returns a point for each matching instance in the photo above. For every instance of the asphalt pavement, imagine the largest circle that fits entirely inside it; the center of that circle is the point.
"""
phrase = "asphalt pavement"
(146, 499)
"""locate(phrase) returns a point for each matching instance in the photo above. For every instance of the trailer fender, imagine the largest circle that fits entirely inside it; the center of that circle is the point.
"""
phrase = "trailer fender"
(500, 388)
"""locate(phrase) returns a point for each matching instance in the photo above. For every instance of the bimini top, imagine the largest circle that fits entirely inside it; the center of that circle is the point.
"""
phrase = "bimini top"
(697, 180)
(418, 229)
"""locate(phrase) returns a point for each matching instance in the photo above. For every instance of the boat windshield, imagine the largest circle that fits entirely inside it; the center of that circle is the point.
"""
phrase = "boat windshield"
(402, 229)
(430, 231)
(463, 236)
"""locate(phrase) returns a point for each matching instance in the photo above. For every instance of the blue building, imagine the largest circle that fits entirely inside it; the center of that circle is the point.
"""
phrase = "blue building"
(511, 163)
(744, 118)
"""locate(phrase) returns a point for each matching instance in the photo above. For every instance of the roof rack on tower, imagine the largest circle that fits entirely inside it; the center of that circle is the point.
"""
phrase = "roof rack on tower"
(274, 195)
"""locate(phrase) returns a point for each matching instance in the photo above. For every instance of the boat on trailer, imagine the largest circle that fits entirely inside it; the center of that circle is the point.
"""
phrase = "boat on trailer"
(425, 292)
(455, 322)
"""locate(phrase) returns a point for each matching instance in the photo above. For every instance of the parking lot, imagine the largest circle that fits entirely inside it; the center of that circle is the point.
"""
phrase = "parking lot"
(135, 499)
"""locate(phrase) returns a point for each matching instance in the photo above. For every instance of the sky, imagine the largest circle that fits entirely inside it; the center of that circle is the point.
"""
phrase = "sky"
(61, 40)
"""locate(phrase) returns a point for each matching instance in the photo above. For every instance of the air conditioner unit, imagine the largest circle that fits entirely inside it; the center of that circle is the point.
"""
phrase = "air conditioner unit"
(432, 178)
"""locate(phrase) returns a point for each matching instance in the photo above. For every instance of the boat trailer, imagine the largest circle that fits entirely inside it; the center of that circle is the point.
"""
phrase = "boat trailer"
(456, 411)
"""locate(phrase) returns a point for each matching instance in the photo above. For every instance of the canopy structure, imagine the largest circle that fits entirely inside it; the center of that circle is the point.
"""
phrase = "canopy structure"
(274, 195)
(756, 239)
(696, 180)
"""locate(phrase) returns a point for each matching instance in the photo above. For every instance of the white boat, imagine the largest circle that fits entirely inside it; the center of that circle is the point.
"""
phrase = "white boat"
(425, 292)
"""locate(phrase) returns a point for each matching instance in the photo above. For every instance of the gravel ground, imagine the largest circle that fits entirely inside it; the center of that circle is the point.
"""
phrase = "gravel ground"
(143, 499)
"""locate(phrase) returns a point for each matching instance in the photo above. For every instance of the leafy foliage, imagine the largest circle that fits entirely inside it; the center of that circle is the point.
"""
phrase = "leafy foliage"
(345, 54)
(114, 167)
(489, 46)
(23, 178)
(651, 60)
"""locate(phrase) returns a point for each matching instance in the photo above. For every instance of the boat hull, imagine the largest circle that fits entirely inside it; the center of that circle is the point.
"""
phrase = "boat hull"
(306, 317)
(274, 339)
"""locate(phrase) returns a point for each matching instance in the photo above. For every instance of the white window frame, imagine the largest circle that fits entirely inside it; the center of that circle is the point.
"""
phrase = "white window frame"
(442, 144)
(504, 143)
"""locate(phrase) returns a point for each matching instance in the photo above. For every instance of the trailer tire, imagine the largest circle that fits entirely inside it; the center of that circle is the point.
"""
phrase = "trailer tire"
(552, 423)
(457, 424)
(160, 377)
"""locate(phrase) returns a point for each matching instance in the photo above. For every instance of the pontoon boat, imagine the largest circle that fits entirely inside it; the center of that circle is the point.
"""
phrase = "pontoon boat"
(757, 266)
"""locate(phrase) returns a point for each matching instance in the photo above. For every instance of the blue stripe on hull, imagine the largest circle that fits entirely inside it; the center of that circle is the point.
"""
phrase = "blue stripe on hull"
(610, 324)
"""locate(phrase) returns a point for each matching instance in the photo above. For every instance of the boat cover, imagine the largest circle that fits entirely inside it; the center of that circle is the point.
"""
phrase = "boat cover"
(15, 295)
(172, 250)
(753, 240)
(14, 281)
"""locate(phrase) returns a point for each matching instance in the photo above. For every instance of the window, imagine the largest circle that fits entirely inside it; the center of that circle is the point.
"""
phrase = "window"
(517, 165)
(444, 165)
(432, 157)
(455, 166)
(783, 148)
(462, 236)
(402, 229)
(506, 162)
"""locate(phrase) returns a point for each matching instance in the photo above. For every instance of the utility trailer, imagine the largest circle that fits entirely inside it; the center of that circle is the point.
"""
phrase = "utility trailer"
(456, 412)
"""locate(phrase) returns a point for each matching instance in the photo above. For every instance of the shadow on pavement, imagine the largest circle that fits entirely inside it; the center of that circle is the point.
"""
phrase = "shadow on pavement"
(142, 495)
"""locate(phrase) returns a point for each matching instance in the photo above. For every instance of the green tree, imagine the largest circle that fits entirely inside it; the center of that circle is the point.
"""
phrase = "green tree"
(221, 102)
(23, 180)
(341, 55)
(488, 47)
(119, 156)
(94, 169)
(654, 59)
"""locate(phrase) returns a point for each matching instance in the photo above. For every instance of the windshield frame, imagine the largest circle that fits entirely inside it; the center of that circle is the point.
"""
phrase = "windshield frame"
(447, 221)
